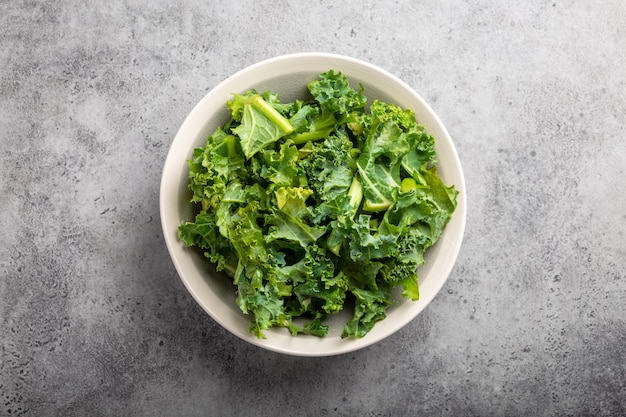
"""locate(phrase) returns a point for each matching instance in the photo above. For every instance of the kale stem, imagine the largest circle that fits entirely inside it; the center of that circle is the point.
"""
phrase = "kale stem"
(356, 193)
(271, 113)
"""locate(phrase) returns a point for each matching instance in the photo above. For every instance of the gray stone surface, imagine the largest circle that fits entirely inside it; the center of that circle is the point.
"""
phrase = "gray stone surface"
(93, 318)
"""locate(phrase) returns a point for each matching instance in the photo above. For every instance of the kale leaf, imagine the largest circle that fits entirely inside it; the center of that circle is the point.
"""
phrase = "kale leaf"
(307, 204)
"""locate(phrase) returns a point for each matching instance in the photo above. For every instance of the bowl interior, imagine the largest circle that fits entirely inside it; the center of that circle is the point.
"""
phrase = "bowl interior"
(288, 76)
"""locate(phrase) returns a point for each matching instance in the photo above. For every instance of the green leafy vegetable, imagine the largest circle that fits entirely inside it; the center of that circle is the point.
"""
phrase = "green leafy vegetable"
(261, 124)
(308, 204)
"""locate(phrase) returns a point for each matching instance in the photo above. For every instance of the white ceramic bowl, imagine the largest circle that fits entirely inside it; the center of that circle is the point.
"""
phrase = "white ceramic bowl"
(288, 76)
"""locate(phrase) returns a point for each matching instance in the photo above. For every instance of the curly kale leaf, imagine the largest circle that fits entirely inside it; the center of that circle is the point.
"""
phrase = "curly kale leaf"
(287, 219)
(308, 204)
(333, 93)
(261, 124)
(330, 167)
(369, 308)
(311, 123)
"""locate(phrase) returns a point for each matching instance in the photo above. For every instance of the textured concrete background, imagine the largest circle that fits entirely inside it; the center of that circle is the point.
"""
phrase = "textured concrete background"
(93, 318)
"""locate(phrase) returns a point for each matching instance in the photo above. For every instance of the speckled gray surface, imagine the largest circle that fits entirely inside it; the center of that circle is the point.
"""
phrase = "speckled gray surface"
(93, 318)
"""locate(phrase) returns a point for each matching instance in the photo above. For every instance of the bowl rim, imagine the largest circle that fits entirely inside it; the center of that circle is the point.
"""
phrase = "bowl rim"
(314, 348)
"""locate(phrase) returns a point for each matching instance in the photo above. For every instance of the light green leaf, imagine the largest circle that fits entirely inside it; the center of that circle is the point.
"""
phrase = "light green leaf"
(261, 125)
